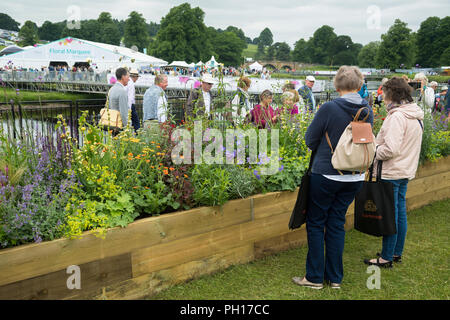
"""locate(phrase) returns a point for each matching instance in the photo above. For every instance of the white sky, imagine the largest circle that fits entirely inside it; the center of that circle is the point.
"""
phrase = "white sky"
(289, 20)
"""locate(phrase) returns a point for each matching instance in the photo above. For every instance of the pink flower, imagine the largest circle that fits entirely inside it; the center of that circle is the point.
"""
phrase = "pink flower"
(183, 79)
(113, 80)
(197, 84)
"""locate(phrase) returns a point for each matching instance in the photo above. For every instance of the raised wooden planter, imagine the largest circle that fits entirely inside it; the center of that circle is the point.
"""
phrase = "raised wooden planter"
(154, 253)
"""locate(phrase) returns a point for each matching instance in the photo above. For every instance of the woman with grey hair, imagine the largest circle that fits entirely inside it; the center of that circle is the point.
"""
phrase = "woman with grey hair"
(330, 192)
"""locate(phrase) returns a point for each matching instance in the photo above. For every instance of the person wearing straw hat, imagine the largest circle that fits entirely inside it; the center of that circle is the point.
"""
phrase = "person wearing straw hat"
(201, 99)
(134, 76)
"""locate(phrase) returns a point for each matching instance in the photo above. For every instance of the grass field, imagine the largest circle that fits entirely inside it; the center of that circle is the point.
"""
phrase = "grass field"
(7, 93)
(423, 274)
(250, 52)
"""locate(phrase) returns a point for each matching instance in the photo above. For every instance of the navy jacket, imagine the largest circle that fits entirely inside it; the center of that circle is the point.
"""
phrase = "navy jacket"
(333, 117)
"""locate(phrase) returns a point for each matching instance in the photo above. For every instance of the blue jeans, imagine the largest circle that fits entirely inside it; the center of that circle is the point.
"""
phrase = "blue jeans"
(325, 219)
(393, 245)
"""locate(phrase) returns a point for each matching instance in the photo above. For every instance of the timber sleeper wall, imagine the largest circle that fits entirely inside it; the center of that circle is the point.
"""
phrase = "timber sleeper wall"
(152, 254)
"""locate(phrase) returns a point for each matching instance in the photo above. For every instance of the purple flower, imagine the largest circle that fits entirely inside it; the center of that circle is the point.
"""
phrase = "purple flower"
(255, 172)
(281, 168)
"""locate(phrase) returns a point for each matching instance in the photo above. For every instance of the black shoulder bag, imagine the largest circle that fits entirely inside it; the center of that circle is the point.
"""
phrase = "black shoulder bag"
(374, 206)
(298, 216)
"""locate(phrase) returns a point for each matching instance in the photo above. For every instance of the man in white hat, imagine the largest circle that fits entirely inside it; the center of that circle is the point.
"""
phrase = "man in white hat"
(201, 99)
(134, 76)
(430, 96)
(306, 93)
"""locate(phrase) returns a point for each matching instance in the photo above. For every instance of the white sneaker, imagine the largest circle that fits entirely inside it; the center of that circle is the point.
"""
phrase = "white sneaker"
(305, 283)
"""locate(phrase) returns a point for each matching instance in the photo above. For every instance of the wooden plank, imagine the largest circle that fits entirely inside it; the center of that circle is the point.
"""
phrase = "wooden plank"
(32, 260)
(426, 198)
(152, 283)
(433, 167)
(273, 203)
(292, 239)
(93, 276)
(428, 184)
(169, 254)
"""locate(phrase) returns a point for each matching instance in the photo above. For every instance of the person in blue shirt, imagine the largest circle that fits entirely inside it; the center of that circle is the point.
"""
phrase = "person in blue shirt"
(364, 92)
(306, 93)
(331, 192)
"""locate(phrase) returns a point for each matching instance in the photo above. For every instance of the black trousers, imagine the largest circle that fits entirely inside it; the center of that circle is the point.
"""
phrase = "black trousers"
(135, 118)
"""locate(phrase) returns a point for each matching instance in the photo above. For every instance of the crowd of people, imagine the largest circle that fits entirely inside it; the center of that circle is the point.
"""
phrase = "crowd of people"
(331, 191)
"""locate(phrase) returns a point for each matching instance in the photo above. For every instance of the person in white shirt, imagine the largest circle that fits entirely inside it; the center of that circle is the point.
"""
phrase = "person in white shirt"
(430, 97)
(131, 90)
(201, 99)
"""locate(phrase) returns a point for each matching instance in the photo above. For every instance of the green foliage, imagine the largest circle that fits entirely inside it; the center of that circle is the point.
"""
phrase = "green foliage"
(367, 55)
(29, 33)
(135, 32)
(211, 185)
(301, 52)
(265, 37)
(109, 31)
(8, 23)
(397, 47)
(228, 48)
(242, 182)
(51, 31)
(183, 36)
(433, 40)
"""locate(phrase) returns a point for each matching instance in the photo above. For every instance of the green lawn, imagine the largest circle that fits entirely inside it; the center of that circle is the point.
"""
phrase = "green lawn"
(423, 274)
(8, 93)
(250, 52)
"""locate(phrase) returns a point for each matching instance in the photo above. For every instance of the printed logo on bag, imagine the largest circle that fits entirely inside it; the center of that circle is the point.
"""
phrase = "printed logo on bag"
(370, 210)
(370, 206)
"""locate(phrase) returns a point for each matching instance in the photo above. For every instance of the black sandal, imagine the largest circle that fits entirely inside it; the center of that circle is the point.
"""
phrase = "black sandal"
(397, 259)
(378, 263)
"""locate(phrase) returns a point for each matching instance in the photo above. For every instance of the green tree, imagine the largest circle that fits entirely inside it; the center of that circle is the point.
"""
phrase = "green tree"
(397, 47)
(135, 32)
(270, 55)
(50, 31)
(183, 36)
(322, 45)
(228, 47)
(266, 37)
(445, 57)
(260, 51)
(89, 30)
(367, 55)
(8, 23)
(153, 28)
(29, 33)
(109, 31)
(301, 52)
(427, 38)
(282, 51)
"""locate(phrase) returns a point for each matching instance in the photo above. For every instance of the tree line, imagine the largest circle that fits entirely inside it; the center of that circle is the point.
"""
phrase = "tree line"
(183, 35)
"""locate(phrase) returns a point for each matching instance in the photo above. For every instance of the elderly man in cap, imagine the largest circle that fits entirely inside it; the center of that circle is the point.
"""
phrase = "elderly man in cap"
(201, 100)
(306, 93)
(134, 76)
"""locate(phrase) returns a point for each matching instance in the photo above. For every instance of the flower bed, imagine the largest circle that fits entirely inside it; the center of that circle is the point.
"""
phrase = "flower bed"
(75, 201)
(153, 253)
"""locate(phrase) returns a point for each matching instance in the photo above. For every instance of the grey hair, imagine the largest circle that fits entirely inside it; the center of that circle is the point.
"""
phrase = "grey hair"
(160, 78)
(348, 78)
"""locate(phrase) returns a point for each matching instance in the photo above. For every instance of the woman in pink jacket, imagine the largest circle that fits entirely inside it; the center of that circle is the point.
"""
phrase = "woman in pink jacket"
(398, 146)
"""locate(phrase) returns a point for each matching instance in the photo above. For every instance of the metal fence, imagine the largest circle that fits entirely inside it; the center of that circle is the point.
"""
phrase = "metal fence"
(22, 119)
(54, 76)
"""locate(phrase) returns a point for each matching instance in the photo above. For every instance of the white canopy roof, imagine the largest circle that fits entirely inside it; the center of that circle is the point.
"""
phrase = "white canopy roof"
(71, 50)
(256, 66)
(212, 63)
(179, 64)
(200, 63)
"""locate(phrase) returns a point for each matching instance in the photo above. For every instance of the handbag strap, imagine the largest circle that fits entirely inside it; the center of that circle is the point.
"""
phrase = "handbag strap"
(379, 170)
(359, 112)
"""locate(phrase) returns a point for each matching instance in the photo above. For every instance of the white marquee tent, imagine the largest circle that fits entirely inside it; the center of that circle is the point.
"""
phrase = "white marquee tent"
(256, 66)
(212, 63)
(72, 50)
(179, 64)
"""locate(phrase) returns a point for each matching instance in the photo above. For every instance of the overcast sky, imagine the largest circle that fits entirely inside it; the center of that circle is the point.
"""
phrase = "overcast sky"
(289, 20)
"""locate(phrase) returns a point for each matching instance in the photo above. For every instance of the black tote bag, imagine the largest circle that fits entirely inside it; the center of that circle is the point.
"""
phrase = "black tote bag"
(374, 206)
(298, 216)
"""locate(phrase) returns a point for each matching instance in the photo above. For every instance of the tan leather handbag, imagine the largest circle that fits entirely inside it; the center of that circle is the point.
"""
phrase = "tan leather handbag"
(110, 118)
(355, 150)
